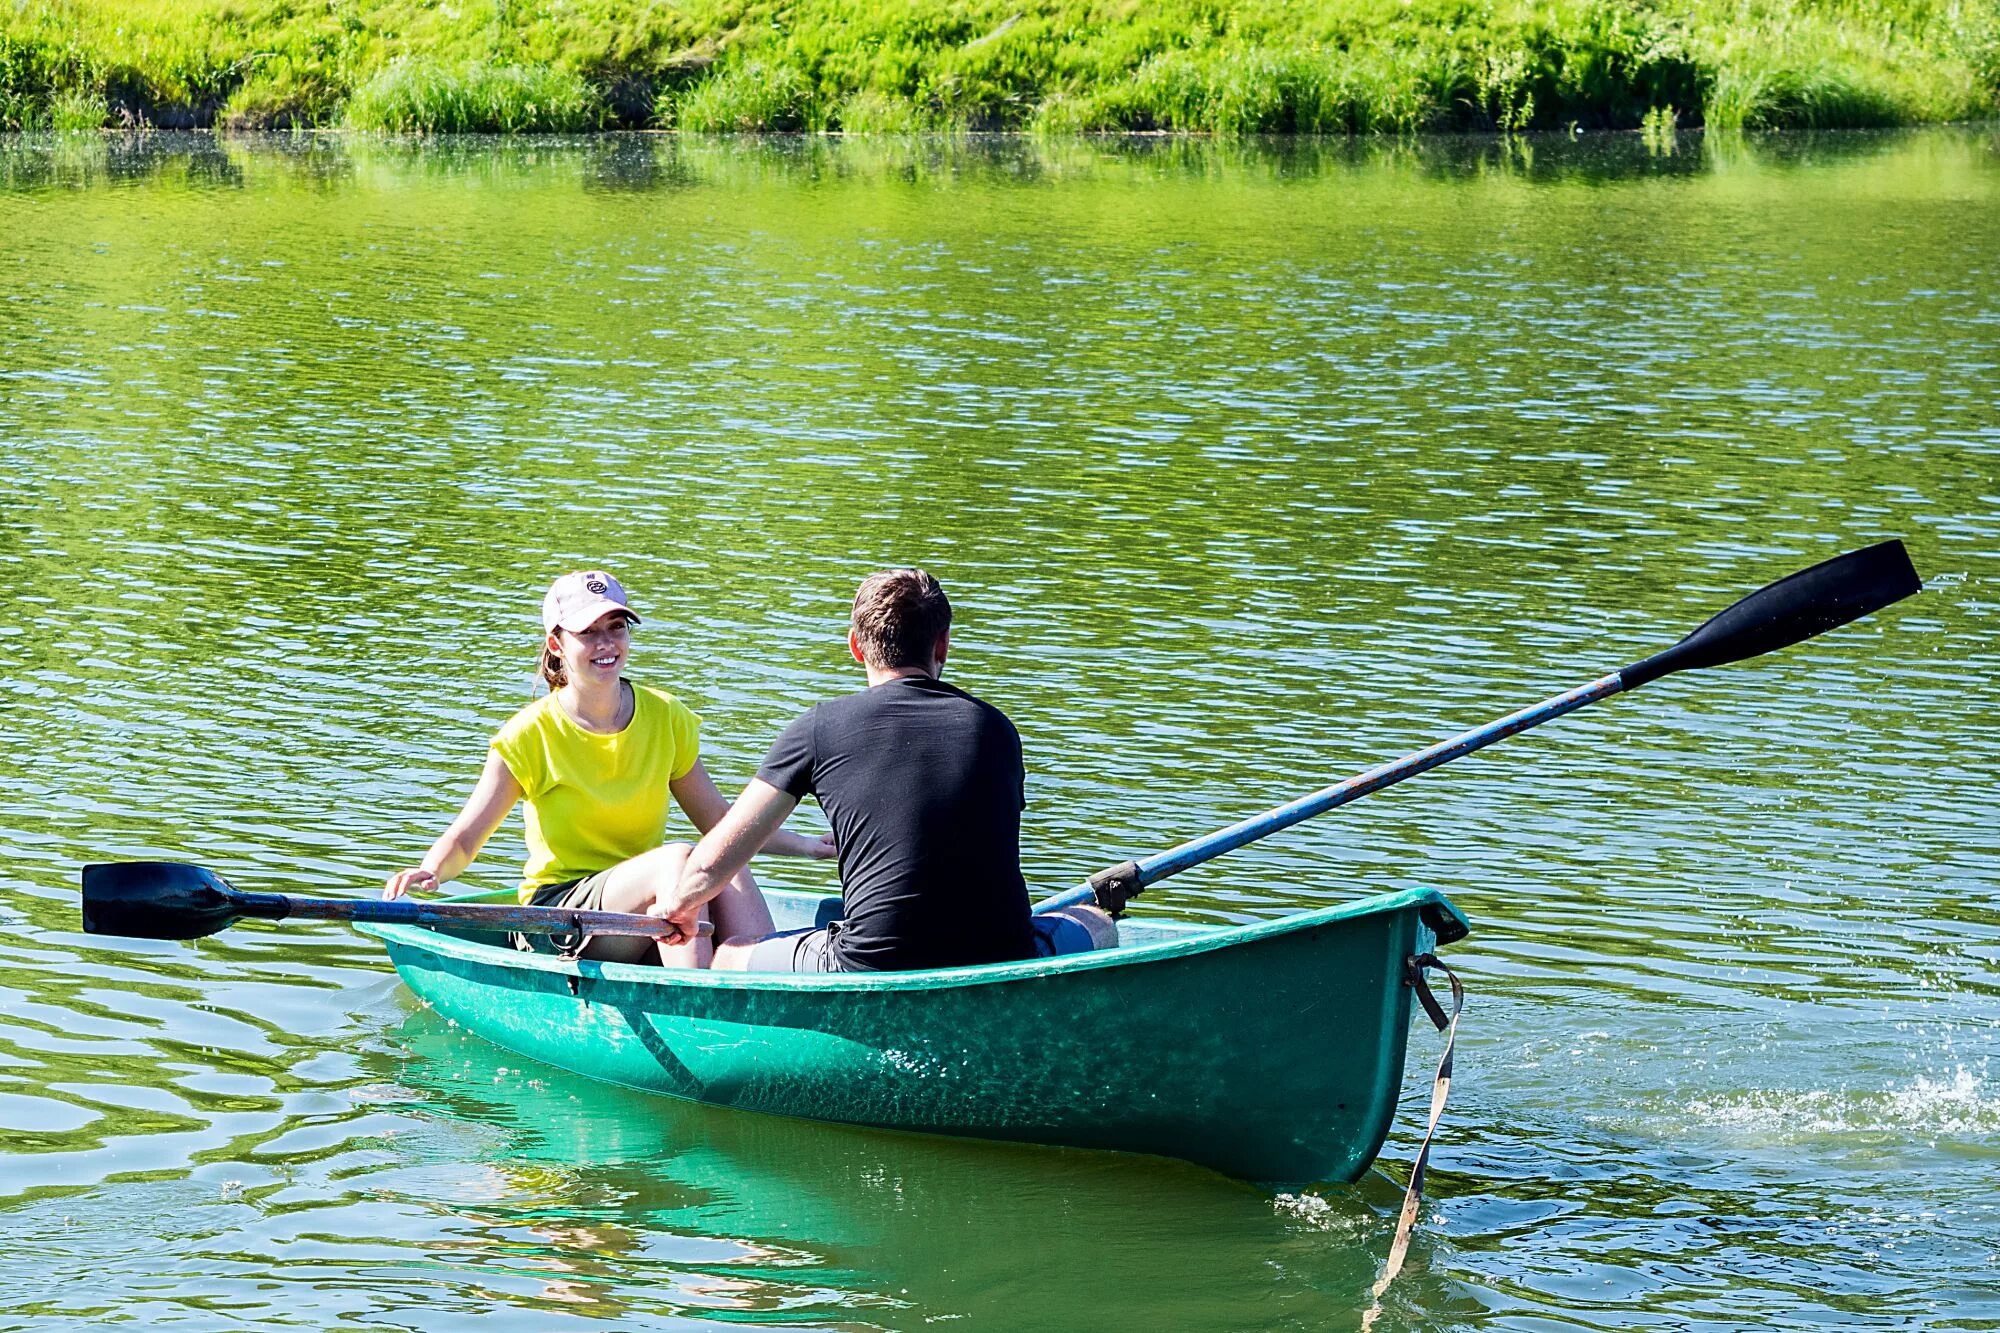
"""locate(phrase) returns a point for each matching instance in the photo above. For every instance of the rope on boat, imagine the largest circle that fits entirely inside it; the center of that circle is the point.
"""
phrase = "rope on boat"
(1413, 1197)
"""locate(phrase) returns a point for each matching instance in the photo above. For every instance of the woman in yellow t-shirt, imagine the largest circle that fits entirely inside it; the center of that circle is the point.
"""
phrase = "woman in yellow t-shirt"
(596, 759)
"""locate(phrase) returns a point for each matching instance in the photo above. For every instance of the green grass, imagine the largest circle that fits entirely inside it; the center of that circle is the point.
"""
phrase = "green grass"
(748, 95)
(76, 109)
(1050, 66)
(279, 94)
(871, 112)
(415, 95)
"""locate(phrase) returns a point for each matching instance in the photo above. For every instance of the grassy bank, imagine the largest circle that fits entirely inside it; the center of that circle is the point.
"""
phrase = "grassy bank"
(869, 66)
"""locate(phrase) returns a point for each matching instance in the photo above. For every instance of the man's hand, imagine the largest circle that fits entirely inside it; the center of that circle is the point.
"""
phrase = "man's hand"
(684, 917)
(726, 849)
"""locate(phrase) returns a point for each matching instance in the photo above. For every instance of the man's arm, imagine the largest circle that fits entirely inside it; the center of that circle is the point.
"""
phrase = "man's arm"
(724, 851)
(698, 799)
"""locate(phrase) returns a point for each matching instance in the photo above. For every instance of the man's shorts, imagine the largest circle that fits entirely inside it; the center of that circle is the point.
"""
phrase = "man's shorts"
(581, 895)
(810, 949)
(807, 950)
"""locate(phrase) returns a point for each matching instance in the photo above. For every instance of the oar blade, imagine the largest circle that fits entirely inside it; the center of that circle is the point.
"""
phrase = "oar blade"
(1792, 610)
(155, 900)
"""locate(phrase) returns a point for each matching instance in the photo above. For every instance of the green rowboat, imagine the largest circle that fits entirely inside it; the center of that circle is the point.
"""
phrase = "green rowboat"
(1272, 1052)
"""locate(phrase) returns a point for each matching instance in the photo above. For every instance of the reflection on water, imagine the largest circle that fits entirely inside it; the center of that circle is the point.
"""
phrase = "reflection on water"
(1247, 466)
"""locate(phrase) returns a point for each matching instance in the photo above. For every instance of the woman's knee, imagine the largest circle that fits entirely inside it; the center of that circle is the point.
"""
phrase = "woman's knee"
(637, 884)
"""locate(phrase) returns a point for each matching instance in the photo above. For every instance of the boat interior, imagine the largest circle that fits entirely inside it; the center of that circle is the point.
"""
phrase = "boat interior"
(792, 910)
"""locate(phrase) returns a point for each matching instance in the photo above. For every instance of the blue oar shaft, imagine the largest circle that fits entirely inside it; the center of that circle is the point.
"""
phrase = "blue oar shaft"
(1155, 868)
(477, 916)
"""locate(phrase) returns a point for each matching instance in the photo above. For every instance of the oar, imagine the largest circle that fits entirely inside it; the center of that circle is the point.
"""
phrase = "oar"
(172, 900)
(1789, 611)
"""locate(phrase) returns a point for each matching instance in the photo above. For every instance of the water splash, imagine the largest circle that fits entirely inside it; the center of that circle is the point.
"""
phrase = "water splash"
(1347, 1217)
(1960, 1105)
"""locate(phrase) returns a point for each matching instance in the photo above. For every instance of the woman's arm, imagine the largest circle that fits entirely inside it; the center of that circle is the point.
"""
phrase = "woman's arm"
(704, 806)
(456, 846)
(749, 824)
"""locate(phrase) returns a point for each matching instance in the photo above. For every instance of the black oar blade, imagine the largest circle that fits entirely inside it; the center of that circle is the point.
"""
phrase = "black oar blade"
(1792, 610)
(155, 900)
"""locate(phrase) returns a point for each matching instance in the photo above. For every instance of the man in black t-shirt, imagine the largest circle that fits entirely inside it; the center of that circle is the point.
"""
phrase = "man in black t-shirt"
(924, 787)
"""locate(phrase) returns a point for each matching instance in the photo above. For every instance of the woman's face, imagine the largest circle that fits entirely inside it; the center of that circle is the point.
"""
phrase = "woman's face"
(599, 652)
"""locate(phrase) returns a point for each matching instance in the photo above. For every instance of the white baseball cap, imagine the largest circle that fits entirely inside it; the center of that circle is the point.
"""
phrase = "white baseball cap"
(576, 601)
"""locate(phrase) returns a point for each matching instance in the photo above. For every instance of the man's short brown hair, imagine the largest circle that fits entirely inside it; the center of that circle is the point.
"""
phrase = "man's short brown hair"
(899, 615)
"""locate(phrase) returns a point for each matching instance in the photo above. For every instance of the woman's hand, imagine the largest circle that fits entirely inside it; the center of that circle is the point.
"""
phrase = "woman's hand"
(813, 846)
(405, 881)
(456, 846)
(705, 808)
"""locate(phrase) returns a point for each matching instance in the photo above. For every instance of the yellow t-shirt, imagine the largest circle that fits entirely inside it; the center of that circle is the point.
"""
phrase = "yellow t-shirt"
(595, 800)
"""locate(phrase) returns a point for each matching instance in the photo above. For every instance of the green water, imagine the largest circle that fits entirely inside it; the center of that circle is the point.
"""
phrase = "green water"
(1246, 468)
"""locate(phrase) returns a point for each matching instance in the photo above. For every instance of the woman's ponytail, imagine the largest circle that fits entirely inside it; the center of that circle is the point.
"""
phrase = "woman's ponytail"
(552, 669)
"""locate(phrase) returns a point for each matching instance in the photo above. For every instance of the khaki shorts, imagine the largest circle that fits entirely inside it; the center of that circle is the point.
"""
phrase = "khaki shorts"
(582, 895)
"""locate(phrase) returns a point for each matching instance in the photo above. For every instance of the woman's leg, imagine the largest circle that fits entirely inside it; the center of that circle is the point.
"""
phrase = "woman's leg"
(635, 885)
(739, 911)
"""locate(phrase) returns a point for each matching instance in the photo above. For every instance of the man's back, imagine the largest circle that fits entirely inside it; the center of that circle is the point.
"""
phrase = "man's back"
(924, 787)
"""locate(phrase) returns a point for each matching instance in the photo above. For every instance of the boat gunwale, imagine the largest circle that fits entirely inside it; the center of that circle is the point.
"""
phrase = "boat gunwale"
(1200, 940)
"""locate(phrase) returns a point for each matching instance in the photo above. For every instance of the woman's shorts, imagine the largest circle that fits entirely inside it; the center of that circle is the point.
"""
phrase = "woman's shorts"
(581, 895)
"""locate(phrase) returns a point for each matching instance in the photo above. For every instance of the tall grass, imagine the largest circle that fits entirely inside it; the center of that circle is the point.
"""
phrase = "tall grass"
(1262, 91)
(76, 109)
(418, 96)
(1056, 66)
(282, 94)
(749, 95)
(1826, 71)
(871, 112)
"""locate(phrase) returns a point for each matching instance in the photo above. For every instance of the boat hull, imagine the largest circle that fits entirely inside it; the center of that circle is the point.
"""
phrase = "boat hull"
(1271, 1052)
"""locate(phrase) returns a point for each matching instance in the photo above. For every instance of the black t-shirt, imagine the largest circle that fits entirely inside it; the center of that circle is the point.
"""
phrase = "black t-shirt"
(924, 788)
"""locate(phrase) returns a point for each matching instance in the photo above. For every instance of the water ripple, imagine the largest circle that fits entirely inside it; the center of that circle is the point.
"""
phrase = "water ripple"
(1247, 468)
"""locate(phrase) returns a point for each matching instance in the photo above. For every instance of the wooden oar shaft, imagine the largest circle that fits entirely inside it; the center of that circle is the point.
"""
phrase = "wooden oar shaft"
(497, 917)
(175, 900)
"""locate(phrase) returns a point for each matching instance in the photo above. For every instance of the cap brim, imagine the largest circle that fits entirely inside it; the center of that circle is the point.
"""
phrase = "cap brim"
(595, 612)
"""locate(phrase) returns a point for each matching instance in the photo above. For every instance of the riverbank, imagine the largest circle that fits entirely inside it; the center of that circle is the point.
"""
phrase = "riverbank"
(1047, 66)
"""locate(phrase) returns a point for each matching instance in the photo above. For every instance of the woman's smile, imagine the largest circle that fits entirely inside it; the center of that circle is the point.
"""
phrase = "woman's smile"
(602, 647)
